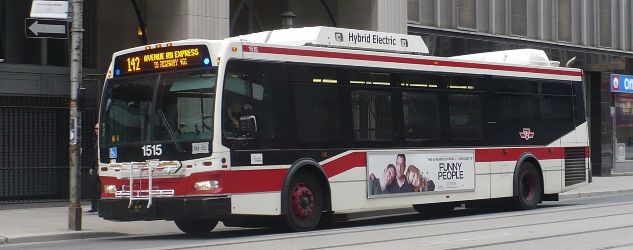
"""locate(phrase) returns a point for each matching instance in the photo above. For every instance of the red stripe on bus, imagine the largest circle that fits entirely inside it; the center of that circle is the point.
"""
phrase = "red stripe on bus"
(267, 180)
(393, 59)
(248, 181)
(513, 154)
(271, 180)
(347, 162)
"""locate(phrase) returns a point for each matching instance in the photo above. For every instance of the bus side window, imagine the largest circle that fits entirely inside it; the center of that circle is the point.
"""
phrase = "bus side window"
(249, 91)
(465, 117)
(421, 116)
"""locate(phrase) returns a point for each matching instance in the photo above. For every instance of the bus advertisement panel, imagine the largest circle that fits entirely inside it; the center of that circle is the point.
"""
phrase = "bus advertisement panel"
(411, 172)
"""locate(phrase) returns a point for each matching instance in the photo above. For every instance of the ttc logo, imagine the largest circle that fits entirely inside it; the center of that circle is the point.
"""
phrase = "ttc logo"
(526, 134)
(615, 82)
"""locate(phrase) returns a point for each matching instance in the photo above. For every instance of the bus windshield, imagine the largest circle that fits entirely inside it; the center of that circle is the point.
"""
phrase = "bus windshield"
(164, 107)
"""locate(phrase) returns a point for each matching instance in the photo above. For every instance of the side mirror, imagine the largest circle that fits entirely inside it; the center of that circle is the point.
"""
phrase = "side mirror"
(248, 124)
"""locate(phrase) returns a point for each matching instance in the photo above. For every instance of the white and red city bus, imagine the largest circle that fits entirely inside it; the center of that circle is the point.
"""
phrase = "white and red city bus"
(295, 125)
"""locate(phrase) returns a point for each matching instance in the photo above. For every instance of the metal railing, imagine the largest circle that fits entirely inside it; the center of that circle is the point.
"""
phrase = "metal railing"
(34, 151)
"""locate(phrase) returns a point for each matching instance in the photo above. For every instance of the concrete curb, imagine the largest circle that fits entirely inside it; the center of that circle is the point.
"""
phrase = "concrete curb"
(593, 194)
(56, 237)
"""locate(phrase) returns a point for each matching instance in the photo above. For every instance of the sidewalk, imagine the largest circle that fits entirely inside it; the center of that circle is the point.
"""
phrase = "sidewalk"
(601, 186)
(27, 224)
(44, 224)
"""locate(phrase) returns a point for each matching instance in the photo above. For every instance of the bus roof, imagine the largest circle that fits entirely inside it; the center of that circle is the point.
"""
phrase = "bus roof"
(338, 46)
(339, 37)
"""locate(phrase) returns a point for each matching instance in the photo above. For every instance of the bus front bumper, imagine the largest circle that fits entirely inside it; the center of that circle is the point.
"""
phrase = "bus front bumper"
(165, 208)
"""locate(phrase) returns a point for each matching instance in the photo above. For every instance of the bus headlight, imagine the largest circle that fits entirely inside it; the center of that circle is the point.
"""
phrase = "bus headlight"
(206, 185)
(109, 189)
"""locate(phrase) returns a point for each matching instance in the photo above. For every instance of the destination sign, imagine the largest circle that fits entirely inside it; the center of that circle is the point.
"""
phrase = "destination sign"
(162, 59)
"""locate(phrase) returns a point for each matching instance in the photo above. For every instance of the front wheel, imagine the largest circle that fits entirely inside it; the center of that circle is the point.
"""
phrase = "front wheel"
(305, 203)
(528, 186)
(196, 227)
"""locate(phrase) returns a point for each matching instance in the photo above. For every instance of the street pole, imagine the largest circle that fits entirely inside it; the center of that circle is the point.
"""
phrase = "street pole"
(74, 208)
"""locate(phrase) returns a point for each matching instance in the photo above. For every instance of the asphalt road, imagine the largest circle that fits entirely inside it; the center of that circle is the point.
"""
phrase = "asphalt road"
(603, 222)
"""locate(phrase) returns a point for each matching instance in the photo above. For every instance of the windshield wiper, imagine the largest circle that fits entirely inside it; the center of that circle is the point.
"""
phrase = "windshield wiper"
(169, 130)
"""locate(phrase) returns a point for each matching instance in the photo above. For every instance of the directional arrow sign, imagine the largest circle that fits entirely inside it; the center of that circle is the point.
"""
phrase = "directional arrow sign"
(45, 28)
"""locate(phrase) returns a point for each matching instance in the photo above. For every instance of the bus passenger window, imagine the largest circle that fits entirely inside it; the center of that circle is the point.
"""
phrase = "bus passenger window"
(465, 117)
(371, 112)
(421, 116)
(317, 112)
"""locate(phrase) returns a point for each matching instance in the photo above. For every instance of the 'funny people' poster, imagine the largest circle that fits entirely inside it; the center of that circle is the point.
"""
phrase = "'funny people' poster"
(412, 172)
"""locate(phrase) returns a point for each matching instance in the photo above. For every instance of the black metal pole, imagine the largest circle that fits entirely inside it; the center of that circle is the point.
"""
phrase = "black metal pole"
(141, 23)
(329, 12)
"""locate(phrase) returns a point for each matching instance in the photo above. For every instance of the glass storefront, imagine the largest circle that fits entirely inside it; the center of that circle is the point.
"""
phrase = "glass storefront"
(624, 126)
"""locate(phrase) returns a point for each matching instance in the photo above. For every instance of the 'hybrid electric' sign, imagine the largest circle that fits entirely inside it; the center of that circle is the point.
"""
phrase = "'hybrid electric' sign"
(621, 83)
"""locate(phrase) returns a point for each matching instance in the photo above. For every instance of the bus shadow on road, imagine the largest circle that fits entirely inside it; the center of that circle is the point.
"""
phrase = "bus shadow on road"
(382, 220)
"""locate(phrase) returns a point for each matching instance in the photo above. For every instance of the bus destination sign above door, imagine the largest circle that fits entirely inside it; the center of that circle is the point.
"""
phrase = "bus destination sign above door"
(161, 59)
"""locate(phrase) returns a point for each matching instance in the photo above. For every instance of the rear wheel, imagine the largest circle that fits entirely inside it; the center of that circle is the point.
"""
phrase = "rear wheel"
(305, 203)
(196, 227)
(528, 186)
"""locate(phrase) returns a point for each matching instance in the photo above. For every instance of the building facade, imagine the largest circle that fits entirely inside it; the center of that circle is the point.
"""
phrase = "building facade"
(596, 34)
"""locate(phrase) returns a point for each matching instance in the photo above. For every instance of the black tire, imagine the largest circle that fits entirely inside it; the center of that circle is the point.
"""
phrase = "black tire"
(433, 210)
(196, 227)
(529, 188)
(305, 203)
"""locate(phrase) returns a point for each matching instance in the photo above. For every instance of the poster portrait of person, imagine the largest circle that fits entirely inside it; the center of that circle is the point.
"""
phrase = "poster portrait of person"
(379, 185)
(400, 185)
(419, 182)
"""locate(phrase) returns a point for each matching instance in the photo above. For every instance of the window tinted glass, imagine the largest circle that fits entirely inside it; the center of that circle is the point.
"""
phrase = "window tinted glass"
(516, 107)
(516, 86)
(248, 90)
(372, 116)
(184, 106)
(464, 83)
(420, 81)
(317, 112)
(556, 109)
(126, 109)
(421, 116)
(465, 117)
(308, 74)
(556, 88)
(579, 103)
(370, 78)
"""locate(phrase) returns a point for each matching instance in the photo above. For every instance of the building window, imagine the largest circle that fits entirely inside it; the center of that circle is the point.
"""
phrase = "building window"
(467, 14)
(564, 20)
(518, 17)
(421, 12)
(604, 18)
(413, 11)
